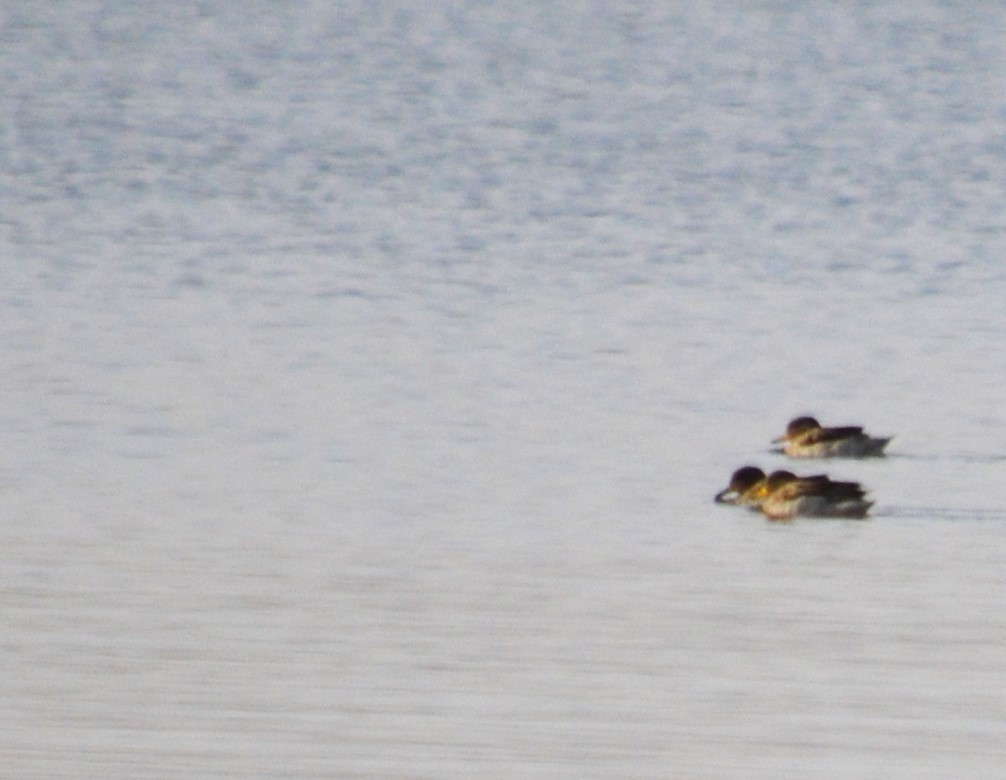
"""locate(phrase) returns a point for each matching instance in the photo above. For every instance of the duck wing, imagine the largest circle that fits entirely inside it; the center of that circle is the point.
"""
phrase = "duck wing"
(822, 435)
(844, 491)
(799, 488)
(825, 488)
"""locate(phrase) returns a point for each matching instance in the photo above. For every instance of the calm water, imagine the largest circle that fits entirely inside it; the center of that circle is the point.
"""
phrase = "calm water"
(369, 369)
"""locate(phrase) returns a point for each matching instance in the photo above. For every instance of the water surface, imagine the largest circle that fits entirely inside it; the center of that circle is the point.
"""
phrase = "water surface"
(369, 372)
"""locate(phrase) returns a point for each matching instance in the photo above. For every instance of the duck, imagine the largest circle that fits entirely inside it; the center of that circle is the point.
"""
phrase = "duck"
(782, 495)
(805, 437)
(785, 496)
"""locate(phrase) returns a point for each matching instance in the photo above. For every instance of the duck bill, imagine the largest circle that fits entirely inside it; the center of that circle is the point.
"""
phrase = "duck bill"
(726, 496)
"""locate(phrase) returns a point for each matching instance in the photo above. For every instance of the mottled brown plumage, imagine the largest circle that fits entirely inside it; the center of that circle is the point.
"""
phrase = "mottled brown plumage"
(805, 437)
(782, 495)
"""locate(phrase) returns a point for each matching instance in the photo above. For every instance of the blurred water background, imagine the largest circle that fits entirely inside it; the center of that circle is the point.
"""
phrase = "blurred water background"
(369, 369)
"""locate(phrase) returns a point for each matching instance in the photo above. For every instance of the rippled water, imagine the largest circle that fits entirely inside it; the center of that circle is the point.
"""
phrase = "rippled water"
(370, 369)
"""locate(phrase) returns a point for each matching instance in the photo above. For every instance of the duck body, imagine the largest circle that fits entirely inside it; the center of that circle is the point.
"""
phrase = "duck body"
(789, 496)
(805, 437)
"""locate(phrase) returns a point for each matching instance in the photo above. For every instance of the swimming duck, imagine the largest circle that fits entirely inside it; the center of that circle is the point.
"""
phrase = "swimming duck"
(782, 495)
(787, 496)
(805, 437)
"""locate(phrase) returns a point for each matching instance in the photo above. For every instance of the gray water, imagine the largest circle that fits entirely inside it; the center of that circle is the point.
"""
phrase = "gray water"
(369, 369)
